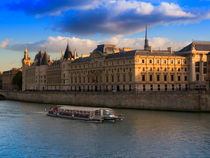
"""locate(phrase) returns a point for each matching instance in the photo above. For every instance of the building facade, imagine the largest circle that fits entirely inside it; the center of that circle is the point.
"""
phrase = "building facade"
(7, 79)
(108, 68)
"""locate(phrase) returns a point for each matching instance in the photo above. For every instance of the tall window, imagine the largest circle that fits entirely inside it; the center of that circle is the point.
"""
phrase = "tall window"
(158, 87)
(165, 77)
(112, 78)
(158, 77)
(197, 67)
(179, 78)
(124, 78)
(151, 87)
(197, 77)
(172, 77)
(143, 77)
(150, 77)
(118, 78)
(166, 87)
(130, 77)
(205, 67)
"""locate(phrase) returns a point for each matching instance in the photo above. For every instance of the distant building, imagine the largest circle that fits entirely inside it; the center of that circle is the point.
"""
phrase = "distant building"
(0, 80)
(108, 68)
(7, 79)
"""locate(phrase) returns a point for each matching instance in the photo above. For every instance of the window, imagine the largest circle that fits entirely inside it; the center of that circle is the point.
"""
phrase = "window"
(185, 78)
(172, 77)
(142, 61)
(158, 77)
(124, 78)
(197, 77)
(150, 61)
(151, 87)
(130, 77)
(179, 62)
(143, 77)
(166, 87)
(180, 88)
(150, 77)
(197, 67)
(118, 78)
(158, 87)
(165, 62)
(112, 78)
(205, 67)
(172, 61)
(172, 87)
(179, 78)
(165, 77)
(107, 79)
(144, 87)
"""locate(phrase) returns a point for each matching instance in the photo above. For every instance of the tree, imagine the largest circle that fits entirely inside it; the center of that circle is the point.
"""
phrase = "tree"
(17, 80)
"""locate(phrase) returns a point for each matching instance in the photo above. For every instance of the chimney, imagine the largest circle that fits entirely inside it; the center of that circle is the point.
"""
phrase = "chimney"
(170, 50)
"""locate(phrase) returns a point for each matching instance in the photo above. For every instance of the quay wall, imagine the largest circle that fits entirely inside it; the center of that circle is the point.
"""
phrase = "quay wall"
(175, 101)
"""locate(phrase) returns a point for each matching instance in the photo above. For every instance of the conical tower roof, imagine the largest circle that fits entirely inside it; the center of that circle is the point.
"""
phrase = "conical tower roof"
(45, 59)
(68, 52)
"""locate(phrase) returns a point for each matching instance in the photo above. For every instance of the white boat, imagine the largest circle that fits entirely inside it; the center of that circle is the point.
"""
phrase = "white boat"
(84, 113)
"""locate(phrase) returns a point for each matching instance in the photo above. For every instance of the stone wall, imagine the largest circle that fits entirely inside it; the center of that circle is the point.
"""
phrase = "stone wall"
(175, 101)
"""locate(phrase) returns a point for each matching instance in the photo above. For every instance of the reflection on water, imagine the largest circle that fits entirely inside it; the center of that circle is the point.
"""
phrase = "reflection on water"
(25, 131)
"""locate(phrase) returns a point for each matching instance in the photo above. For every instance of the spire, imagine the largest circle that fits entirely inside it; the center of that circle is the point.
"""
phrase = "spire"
(75, 54)
(68, 52)
(26, 53)
(146, 44)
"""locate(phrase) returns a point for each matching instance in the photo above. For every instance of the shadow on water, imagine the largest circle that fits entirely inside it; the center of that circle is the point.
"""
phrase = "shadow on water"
(2, 97)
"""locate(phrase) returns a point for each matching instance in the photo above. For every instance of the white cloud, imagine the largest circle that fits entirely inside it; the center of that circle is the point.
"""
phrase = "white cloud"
(56, 44)
(171, 9)
(4, 43)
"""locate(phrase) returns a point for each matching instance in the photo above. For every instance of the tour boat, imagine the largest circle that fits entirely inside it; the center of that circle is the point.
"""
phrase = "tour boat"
(84, 113)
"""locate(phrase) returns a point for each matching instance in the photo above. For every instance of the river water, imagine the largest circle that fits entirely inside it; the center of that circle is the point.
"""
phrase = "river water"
(26, 132)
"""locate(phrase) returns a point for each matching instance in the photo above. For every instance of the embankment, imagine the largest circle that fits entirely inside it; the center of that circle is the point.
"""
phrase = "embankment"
(175, 101)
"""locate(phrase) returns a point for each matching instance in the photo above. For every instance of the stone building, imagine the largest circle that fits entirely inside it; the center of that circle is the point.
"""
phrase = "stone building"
(0, 80)
(108, 68)
(7, 79)
(196, 54)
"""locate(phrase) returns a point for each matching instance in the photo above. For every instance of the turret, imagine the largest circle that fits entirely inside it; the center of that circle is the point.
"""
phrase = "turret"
(26, 61)
(75, 54)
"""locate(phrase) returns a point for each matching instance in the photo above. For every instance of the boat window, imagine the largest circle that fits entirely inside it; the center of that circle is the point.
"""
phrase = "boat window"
(108, 112)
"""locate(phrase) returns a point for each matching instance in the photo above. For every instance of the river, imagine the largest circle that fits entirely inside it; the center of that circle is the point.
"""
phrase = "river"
(26, 132)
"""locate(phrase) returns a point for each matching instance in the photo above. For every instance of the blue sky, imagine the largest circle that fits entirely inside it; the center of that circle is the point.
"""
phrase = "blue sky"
(39, 24)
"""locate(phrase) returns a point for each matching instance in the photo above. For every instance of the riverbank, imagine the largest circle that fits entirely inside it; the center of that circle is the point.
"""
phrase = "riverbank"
(174, 101)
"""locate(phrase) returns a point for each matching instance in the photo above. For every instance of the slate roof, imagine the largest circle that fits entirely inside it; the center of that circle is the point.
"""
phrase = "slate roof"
(68, 52)
(80, 60)
(199, 45)
(138, 52)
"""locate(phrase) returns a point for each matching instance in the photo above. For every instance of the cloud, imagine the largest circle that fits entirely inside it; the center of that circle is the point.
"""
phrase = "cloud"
(51, 7)
(113, 17)
(56, 44)
(121, 17)
(4, 43)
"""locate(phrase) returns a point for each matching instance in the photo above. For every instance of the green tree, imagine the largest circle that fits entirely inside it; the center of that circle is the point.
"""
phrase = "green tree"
(17, 80)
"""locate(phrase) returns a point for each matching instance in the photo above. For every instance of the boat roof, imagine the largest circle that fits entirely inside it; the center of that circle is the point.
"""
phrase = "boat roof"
(79, 108)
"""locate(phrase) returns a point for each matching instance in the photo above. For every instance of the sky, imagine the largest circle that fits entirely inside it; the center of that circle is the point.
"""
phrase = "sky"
(50, 24)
